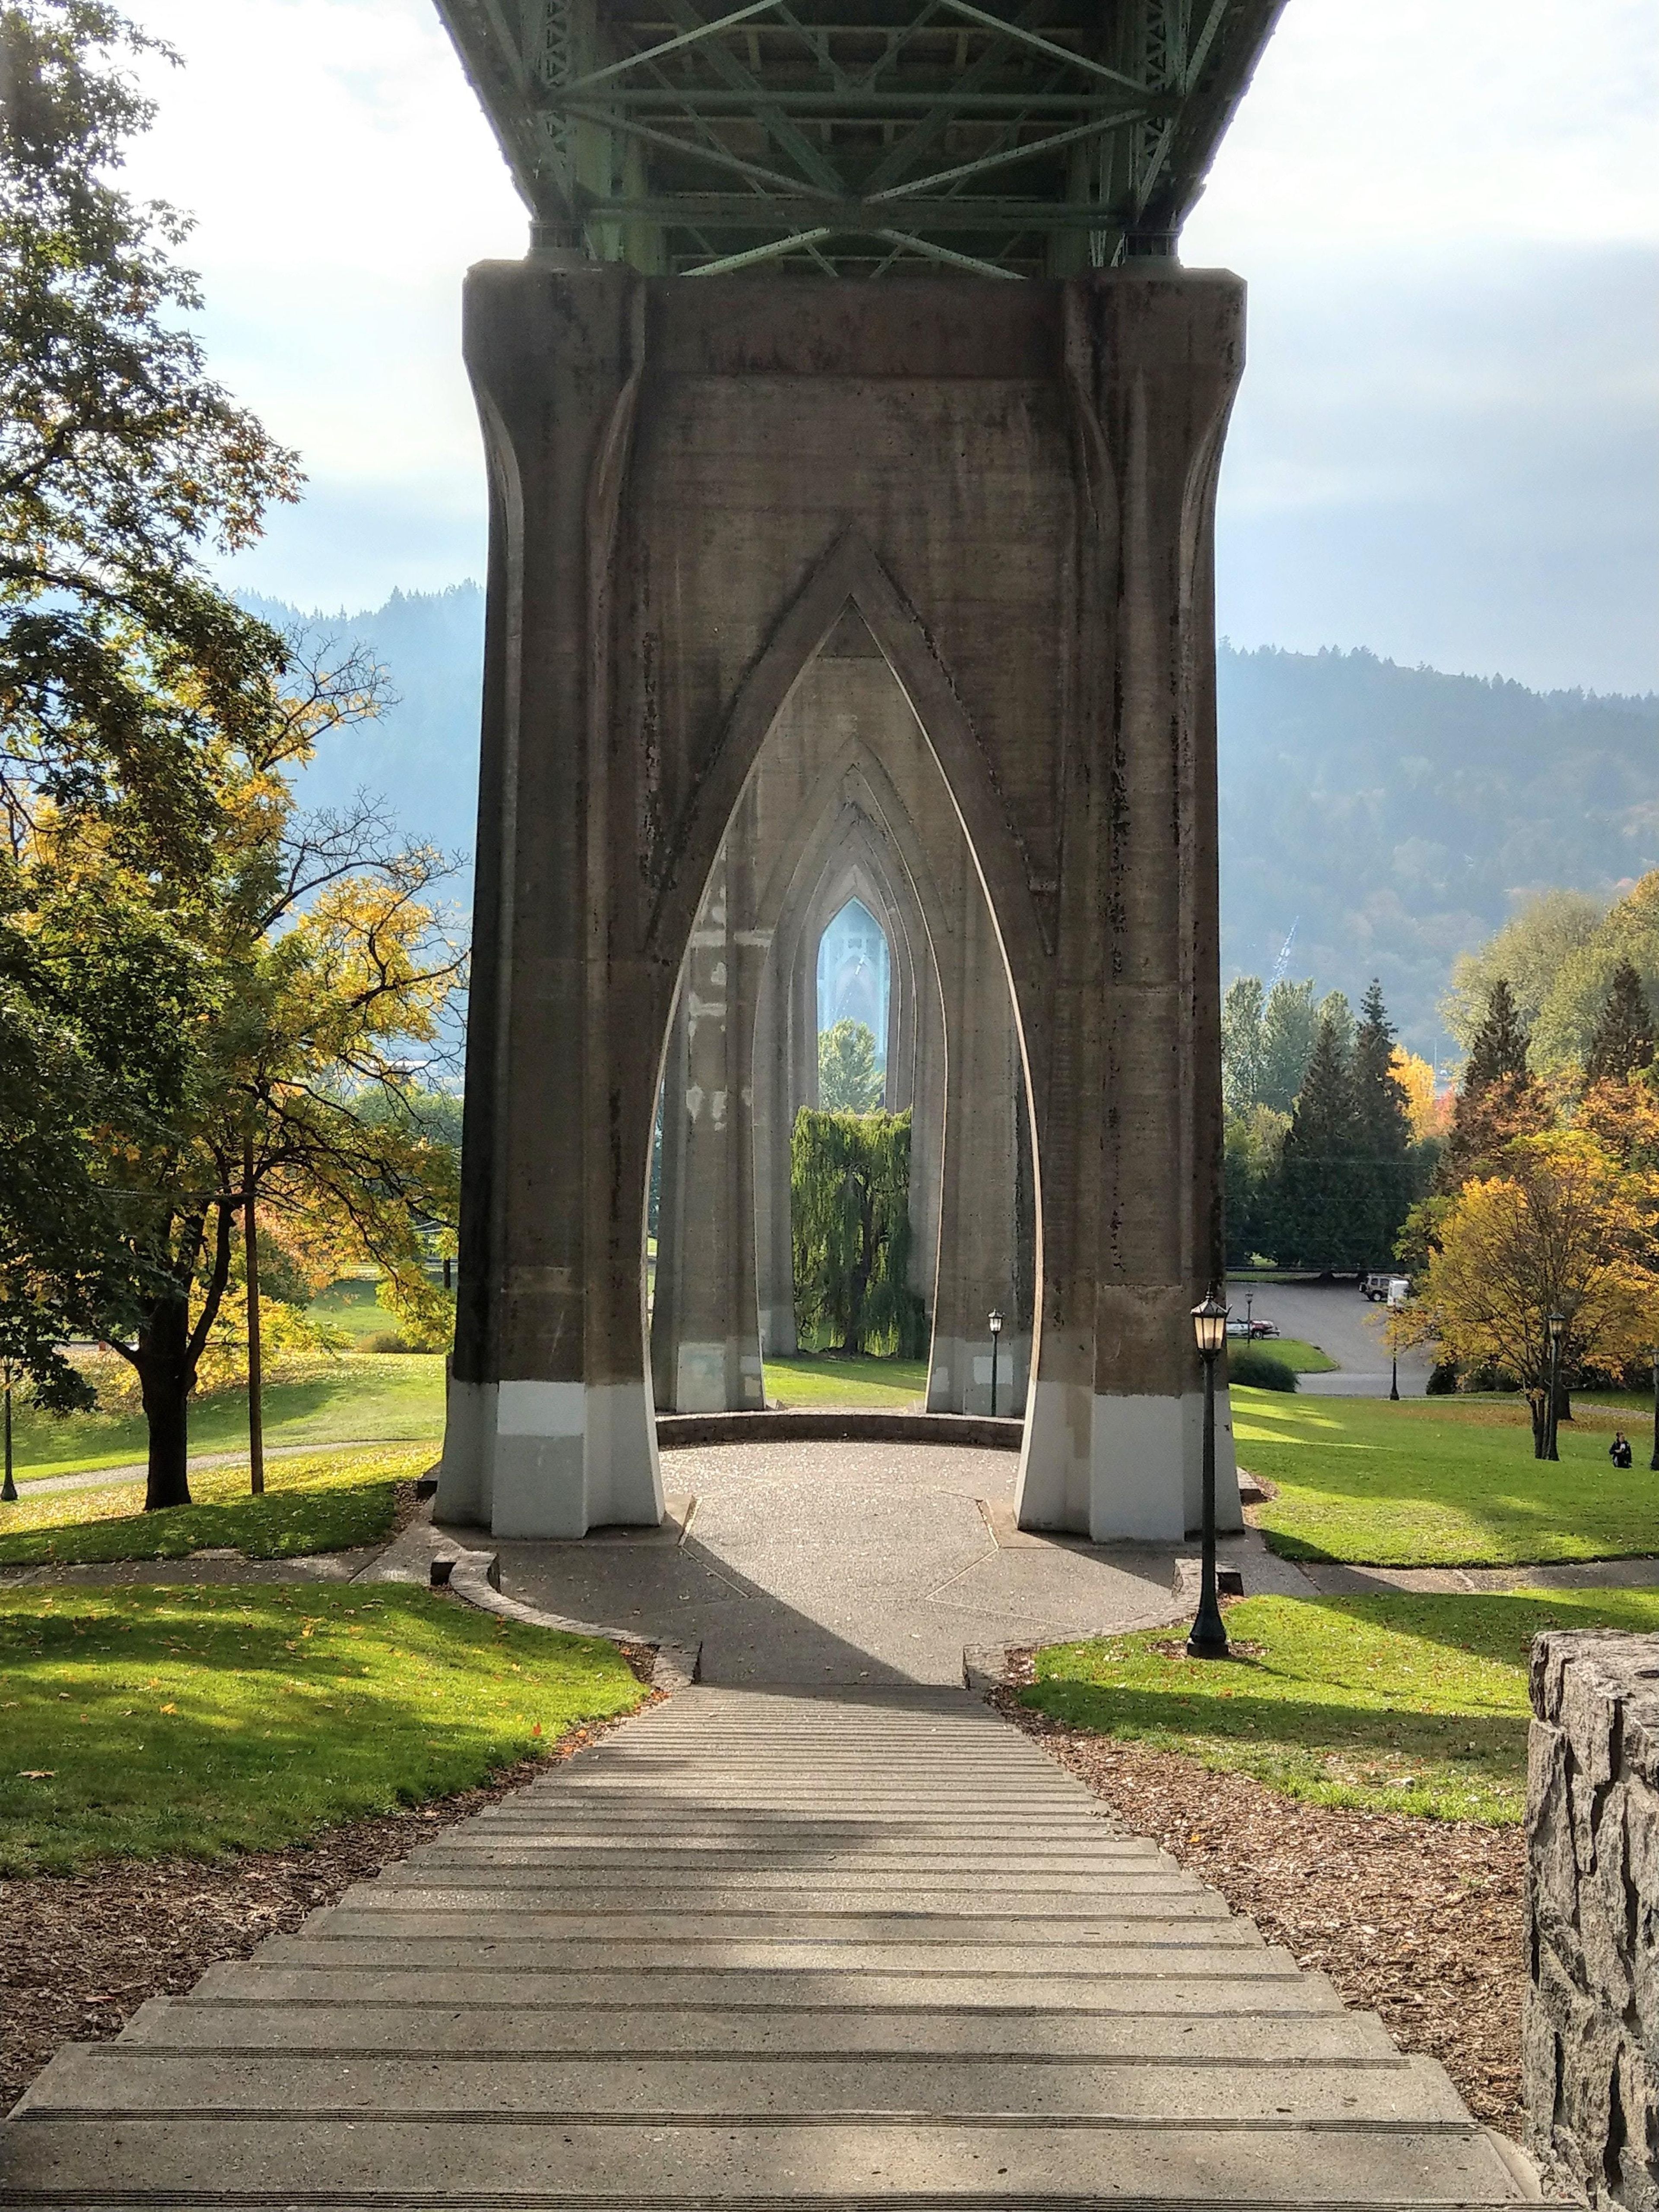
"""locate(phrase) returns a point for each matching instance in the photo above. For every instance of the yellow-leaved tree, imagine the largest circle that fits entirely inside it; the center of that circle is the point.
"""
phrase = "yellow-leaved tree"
(1563, 1225)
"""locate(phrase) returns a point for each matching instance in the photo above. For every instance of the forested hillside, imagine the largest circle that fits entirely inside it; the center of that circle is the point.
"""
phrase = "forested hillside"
(1392, 816)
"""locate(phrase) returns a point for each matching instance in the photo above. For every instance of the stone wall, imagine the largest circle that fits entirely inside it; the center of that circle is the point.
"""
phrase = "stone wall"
(1591, 2046)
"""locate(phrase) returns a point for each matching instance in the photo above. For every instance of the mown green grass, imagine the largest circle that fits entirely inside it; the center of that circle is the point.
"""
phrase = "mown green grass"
(1440, 1482)
(325, 1503)
(136, 1723)
(1412, 1705)
(359, 1398)
(1302, 1358)
(825, 1378)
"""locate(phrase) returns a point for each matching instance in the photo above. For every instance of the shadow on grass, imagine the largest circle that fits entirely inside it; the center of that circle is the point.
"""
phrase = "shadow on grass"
(1459, 1761)
(282, 1524)
(152, 1721)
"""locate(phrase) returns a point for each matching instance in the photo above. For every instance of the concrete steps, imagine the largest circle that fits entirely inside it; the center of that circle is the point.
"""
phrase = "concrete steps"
(755, 1952)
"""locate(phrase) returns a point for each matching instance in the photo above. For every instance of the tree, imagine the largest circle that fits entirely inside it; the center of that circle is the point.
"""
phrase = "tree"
(1241, 1043)
(1415, 1077)
(1382, 1116)
(1498, 1099)
(1561, 1226)
(231, 1019)
(1320, 1216)
(849, 1082)
(1623, 1043)
(1288, 1029)
(1253, 1142)
(122, 665)
(850, 1202)
(1565, 1032)
(1527, 955)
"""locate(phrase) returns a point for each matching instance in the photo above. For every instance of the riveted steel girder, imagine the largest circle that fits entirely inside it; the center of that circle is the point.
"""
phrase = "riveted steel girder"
(1021, 137)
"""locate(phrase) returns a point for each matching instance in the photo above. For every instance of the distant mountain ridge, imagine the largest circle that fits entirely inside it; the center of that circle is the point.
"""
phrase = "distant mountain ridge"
(1393, 815)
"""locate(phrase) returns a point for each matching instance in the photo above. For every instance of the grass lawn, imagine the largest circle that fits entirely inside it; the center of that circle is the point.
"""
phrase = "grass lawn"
(1414, 1704)
(1440, 1482)
(1303, 1358)
(139, 1721)
(359, 1398)
(323, 1503)
(825, 1378)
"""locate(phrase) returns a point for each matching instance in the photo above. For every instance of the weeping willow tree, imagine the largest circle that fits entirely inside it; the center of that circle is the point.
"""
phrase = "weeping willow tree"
(850, 1204)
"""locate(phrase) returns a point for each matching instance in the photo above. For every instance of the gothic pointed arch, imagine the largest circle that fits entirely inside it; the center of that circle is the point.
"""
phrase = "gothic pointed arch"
(850, 574)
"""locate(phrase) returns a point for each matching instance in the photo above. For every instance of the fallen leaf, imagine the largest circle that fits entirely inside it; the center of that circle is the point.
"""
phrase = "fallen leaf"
(36, 1774)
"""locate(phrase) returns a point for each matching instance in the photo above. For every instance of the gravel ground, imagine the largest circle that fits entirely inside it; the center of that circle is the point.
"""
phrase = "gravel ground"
(79, 1954)
(1419, 1920)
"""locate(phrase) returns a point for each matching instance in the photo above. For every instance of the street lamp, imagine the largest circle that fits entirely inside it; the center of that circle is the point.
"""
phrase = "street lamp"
(1654, 1462)
(1394, 1303)
(1555, 1328)
(1208, 1639)
(1249, 1301)
(996, 1333)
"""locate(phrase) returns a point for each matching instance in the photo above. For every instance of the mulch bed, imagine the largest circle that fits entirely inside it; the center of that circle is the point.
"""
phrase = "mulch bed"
(1419, 1921)
(79, 1954)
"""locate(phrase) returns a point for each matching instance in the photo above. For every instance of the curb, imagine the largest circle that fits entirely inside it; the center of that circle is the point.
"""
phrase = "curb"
(850, 1425)
(476, 1577)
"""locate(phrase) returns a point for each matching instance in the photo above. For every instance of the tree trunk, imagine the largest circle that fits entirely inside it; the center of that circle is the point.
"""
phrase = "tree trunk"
(165, 1373)
(1538, 1404)
(256, 1410)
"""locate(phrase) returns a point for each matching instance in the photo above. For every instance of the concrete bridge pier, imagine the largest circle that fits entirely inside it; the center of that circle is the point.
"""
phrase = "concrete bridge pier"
(1012, 484)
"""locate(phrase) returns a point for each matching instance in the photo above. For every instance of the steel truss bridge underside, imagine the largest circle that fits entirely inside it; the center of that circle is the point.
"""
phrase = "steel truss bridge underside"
(841, 137)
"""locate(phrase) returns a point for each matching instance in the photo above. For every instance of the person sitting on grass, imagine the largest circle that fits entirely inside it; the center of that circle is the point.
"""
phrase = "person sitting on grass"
(1619, 1450)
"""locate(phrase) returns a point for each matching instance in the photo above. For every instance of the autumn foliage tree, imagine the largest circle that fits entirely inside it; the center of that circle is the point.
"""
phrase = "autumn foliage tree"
(230, 1021)
(1560, 1224)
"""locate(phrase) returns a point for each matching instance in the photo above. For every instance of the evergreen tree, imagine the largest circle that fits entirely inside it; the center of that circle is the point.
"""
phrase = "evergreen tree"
(1624, 1036)
(849, 1082)
(1499, 1049)
(1384, 1118)
(1333, 1008)
(1288, 1025)
(1241, 1043)
(1319, 1216)
(1498, 1099)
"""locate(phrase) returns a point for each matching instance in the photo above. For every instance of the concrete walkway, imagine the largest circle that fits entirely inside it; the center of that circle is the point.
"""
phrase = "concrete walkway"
(764, 1949)
(818, 1563)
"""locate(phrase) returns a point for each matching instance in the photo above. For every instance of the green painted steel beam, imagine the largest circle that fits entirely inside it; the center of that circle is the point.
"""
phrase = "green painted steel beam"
(852, 121)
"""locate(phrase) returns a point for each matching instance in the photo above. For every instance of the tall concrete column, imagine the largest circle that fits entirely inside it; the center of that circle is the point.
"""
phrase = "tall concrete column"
(550, 1428)
(979, 1246)
(1128, 1102)
(705, 1341)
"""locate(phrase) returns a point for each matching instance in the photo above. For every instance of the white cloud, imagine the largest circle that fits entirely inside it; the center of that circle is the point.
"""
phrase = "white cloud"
(1440, 122)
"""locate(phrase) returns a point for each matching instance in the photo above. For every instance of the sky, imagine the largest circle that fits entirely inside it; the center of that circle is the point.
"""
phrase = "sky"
(1447, 445)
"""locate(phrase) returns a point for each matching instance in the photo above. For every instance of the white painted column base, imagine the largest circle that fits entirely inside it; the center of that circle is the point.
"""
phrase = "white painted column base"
(1123, 1468)
(551, 1459)
(959, 1378)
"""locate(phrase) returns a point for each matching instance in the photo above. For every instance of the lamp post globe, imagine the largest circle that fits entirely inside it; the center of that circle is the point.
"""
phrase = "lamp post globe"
(1208, 1636)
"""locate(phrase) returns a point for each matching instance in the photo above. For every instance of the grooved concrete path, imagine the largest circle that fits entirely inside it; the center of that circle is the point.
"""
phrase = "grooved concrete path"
(763, 1949)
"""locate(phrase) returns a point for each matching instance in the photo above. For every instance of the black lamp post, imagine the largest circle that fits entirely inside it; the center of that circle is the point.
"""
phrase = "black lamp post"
(1208, 1639)
(8, 1488)
(1394, 1303)
(1555, 1325)
(996, 1336)
(1654, 1462)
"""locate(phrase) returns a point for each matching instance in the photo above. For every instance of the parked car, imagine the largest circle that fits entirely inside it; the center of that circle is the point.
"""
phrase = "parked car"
(1379, 1288)
(1253, 1329)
